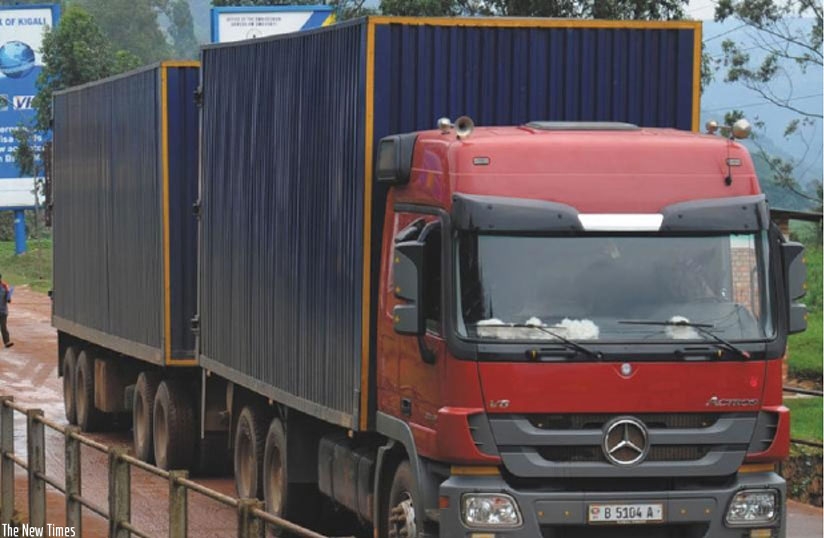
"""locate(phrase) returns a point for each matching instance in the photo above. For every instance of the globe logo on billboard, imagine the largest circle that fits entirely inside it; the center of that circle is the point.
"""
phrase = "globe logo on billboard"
(16, 59)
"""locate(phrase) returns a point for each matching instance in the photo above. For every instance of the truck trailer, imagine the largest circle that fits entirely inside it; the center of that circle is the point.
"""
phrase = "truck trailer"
(461, 277)
(125, 243)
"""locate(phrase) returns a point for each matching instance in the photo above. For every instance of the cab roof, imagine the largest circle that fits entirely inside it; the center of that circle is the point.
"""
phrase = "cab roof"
(605, 168)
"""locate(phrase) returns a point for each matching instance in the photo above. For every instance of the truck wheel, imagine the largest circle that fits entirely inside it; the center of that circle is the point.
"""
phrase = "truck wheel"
(69, 395)
(291, 501)
(248, 458)
(399, 512)
(173, 428)
(88, 416)
(142, 415)
(275, 493)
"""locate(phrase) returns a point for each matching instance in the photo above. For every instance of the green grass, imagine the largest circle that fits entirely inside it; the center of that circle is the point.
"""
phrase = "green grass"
(34, 268)
(806, 416)
(805, 351)
(814, 294)
(805, 354)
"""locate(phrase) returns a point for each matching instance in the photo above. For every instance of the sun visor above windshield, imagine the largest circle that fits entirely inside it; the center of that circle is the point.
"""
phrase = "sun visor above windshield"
(502, 214)
(737, 214)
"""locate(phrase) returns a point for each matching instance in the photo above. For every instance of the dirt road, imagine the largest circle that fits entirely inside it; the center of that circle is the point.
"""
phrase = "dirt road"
(28, 371)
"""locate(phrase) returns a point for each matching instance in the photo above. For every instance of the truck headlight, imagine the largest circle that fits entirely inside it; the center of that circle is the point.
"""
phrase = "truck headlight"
(751, 507)
(490, 510)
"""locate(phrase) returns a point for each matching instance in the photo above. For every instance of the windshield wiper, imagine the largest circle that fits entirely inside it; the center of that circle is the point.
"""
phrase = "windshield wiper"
(703, 328)
(597, 355)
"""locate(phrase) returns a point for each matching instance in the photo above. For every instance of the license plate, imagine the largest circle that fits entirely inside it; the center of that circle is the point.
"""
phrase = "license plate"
(626, 513)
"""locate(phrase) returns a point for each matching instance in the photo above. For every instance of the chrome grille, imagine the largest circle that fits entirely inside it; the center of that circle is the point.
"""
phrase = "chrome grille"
(570, 446)
(572, 454)
(593, 421)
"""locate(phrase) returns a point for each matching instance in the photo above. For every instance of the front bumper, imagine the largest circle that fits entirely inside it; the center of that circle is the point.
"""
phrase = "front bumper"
(550, 514)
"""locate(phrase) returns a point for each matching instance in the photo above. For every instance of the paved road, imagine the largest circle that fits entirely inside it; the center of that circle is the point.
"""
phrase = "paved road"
(28, 371)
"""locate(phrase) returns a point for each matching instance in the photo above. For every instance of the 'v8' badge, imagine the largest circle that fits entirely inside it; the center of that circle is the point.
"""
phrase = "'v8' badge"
(498, 404)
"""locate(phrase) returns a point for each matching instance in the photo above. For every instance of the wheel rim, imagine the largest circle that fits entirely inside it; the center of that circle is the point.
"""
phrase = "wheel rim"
(274, 477)
(402, 518)
(161, 436)
(245, 467)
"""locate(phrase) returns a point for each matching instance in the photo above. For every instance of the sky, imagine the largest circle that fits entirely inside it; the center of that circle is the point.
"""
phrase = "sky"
(701, 10)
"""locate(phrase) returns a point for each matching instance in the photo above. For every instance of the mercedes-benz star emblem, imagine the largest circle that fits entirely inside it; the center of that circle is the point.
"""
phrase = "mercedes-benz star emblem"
(625, 441)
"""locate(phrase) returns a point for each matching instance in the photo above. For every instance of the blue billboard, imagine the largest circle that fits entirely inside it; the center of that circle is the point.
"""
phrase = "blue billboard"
(21, 39)
(251, 22)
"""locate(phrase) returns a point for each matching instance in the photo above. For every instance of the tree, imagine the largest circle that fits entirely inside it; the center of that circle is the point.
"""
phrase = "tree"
(421, 8)
(589, 9)
(786, 48)
(26, 153)
(219, 3)
(132, 25)
(181, 28)
(75, 52)
(351, 9)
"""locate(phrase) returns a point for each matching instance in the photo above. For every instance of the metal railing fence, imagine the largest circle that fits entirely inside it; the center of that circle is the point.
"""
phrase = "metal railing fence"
(252, 520)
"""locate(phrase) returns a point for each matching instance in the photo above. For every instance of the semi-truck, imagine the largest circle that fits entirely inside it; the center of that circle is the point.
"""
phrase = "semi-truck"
(459, 277)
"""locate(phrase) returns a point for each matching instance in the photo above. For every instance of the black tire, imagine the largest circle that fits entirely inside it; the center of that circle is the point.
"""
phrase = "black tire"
(69, 396)
(173, 426)
(291, 501)
(248, 455)
(143, 415)
(89, 417)
(398, 514)
(275, 481)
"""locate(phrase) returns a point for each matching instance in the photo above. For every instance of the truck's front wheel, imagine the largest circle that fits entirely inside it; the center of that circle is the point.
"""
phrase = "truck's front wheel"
(399, 512)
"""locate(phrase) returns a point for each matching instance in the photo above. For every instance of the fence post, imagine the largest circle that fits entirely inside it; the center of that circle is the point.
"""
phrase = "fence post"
(248, 526)
(178, 518)
(120, 490)
(73, 483)
(6, 465)
(36, 443)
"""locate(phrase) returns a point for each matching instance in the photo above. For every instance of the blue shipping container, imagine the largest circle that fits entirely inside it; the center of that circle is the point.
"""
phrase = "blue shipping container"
(125, 179)
(291, 226)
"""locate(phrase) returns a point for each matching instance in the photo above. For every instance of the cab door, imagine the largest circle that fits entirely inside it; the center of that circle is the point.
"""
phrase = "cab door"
(409, 366)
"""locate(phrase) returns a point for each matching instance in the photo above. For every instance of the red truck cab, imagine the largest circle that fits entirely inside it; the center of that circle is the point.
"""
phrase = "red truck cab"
(582, 325)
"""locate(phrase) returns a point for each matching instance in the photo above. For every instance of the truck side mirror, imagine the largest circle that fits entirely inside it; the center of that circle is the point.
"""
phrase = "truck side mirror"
(408, 280)
(795, 271)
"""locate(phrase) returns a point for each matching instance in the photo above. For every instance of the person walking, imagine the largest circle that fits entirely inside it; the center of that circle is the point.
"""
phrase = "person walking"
(5, 299)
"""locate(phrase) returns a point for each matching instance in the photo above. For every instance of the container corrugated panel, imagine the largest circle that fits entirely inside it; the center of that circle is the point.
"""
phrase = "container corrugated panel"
(282, 227)
(111, 172)
(181, 83)
(505, 75)
(290, 129)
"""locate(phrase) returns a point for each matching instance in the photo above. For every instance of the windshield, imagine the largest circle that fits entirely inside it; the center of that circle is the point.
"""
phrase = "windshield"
(587, 287)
